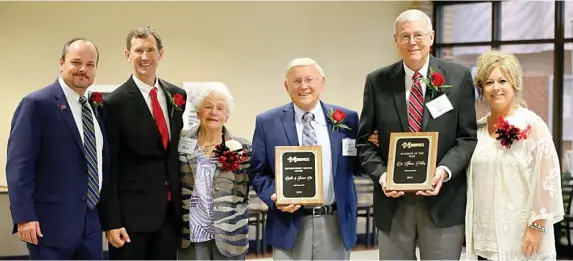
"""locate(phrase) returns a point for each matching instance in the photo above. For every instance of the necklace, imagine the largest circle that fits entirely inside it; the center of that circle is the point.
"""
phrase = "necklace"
(206, 149)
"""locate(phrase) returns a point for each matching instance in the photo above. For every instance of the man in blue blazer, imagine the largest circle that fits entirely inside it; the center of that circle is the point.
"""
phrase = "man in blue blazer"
(56, 161)
(301, 232)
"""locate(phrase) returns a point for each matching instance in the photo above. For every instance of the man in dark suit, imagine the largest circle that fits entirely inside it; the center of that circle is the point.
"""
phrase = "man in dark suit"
(141, 202)
(57, 159)
(396, 99)
(321, 232)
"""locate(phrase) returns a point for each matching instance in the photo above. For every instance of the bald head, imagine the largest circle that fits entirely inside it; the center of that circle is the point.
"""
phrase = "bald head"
(80, 43)
(78, 64)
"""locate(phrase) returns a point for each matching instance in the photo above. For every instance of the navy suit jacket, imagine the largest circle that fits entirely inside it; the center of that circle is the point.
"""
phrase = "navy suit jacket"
(277, 127)
(46, 168)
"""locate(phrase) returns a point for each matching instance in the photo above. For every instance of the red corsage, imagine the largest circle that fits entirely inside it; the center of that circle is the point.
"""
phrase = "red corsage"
(336, 117)
(96, 98)
(435, 82)
(508, 133)
(178, 100)
(230, 155)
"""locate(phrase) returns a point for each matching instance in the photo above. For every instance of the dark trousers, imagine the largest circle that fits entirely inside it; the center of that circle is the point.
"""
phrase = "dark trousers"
(89, 247)
(481, 258)
(158, 245)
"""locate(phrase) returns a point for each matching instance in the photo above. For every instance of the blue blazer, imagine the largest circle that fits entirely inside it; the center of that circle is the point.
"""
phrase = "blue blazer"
(46, 168)
(277, 127)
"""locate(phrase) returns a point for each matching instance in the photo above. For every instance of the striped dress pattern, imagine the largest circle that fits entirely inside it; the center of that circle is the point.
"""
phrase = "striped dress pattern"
(230, 194)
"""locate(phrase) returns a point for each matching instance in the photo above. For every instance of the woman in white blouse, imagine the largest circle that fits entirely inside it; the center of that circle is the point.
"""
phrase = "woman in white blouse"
(514, 191)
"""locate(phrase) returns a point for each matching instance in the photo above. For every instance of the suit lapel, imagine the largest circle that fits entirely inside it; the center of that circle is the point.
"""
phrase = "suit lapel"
(289, 125)
(334, 137)
(170, 111)
(428, 96)
(168, 96)
(97, 113)
(61, 103)
(398, 82)
(142, 110)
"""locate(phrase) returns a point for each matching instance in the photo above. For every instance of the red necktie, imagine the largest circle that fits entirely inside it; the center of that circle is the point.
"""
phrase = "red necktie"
(159, 118)
(160, 122)
(416, 105)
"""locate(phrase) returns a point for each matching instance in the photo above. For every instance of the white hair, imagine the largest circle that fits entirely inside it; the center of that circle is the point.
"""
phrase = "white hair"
(303, 62)
(413, 15)
(217, 89)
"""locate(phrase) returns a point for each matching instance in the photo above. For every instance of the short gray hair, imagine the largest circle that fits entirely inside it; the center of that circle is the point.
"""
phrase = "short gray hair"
(218, 89)
(303, 62)
(412, 15)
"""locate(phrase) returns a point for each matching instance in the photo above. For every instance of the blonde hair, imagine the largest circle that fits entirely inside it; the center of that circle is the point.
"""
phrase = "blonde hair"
(508, 65)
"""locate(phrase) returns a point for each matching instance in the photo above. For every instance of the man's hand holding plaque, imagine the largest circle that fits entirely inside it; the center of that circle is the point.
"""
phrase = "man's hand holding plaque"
(291, 208)
(436, 182)
(390, 194)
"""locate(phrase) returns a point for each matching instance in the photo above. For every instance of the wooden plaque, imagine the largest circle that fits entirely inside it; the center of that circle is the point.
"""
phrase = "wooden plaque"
(298, 175)
(411, 161)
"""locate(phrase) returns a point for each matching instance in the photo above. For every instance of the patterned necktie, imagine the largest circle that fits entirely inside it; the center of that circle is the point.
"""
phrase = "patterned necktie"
(159, 117)
(90, 152)
(161, 125)
(308, 133)
(416, 105)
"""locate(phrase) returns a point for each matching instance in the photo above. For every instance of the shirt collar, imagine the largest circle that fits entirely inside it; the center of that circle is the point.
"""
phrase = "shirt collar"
(423, 71)
(68, 91)
(144, 87)
(317, 111)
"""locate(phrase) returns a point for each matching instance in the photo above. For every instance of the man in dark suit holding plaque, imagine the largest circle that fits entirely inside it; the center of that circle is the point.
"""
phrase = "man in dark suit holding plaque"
(296, 232)
(419, 94)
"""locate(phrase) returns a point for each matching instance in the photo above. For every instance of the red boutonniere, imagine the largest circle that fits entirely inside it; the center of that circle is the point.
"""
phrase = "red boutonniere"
(336, 118)
(97, 99)
(508, 133)
(435, 81)
(230, 154)
(177, 101)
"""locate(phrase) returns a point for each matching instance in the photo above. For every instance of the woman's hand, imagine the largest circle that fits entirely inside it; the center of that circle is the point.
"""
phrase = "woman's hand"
(373, 138)
(531, 242)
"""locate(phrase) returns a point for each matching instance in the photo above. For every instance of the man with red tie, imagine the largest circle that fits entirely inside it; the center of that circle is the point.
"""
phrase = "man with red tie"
(397, 98)
(140, 203)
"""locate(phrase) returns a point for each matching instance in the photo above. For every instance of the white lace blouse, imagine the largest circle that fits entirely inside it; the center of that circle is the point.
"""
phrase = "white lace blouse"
(510, 188)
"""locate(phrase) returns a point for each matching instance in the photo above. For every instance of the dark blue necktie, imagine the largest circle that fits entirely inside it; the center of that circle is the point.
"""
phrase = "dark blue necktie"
(90, 152)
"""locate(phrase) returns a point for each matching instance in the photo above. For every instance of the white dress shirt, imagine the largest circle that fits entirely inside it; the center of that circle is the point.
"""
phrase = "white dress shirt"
(410, 82)
(145, 89)
(322, 139)
(73, 99)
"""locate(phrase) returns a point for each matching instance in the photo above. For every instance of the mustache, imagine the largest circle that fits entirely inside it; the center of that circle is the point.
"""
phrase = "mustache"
(81, 74)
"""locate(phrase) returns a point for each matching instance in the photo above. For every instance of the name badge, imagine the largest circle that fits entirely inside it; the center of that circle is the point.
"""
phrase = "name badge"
(186, 145)
(439, 106)
(348, 147)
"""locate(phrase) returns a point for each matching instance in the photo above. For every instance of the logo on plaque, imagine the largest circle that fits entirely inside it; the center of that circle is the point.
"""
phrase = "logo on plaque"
(298, 175)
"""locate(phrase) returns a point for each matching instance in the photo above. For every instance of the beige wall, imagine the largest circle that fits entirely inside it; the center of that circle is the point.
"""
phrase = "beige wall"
(246, 45)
